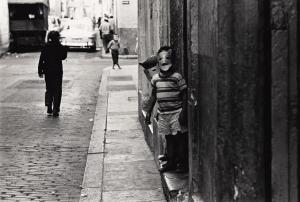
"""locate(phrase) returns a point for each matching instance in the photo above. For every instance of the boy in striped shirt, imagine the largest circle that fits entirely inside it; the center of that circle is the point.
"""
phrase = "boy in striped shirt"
(168, 90)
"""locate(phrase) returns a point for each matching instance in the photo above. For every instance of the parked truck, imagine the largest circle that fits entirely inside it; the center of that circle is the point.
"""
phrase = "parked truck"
(28, 22)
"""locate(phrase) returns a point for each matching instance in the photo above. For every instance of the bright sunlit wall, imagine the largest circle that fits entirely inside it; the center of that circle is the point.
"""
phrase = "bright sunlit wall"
(4, 26)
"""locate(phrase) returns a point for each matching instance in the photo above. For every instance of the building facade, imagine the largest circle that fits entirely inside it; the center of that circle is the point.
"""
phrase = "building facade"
(4, 26)
(79, 8)
(55, 7)
(124, 14)
(126, 23)
(240, 60)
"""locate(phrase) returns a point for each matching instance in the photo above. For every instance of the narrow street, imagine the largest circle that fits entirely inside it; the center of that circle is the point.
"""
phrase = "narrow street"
(205, 106)
(43, 158)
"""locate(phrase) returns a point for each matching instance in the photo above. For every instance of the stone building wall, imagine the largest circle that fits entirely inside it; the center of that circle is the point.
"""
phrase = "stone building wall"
(241, 134)
(126, 22)
(244, 77)
(228, 134)
(285, 77)
(240, 59)
(4, 26)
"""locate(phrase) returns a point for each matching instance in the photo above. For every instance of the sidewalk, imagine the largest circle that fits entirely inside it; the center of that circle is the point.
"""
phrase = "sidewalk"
(3, 50)
(108, 55)
(119, 166)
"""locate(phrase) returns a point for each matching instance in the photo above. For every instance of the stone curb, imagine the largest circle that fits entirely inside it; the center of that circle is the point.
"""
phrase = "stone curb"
(108, 55)
(93, 174)
(3, 51)
(120, 56)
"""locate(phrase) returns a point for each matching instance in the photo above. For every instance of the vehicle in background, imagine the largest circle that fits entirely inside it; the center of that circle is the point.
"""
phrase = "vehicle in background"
(54, 23)
(28, 22)
(79, 33)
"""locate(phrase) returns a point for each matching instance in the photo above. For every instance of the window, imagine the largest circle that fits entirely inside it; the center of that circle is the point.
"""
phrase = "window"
(126, 2)
(26, 12)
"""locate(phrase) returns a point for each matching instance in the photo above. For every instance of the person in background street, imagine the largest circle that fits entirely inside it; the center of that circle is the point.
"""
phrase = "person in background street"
(94, 22)
(136, 50)
(99, 22)
(105, 34)
(168, 89)
(55, 25)
(114, 46)
(58, 22)
(50, 65)
(112, 26)
(98, 27)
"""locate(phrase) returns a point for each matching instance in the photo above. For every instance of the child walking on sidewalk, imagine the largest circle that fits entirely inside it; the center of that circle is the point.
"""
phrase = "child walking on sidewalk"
(114, 46)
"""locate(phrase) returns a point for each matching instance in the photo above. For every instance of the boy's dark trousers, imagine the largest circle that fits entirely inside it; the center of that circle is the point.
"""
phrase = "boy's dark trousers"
(53, 91)
(115, 56)
(177, 152)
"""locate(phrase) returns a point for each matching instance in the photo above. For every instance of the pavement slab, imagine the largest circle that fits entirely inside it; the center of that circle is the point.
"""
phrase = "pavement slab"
(129, 171)
(134, 196)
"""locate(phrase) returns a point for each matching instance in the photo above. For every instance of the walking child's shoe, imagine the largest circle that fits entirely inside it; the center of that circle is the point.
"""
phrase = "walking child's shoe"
(55, 114)
(162, 157)
(49, 111)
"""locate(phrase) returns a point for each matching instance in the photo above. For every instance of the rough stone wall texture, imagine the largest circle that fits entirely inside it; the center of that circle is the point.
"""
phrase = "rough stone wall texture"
(126, 23)
(232, 73)
(228, 150)
(285, 101)
(193, 112)
(294, 104)
(164, 22)
(240, 137)
(205, 92)
(144, 39)
(240, 146)
(127, 40)
(176, 34)
(153, 32)
(4, 26)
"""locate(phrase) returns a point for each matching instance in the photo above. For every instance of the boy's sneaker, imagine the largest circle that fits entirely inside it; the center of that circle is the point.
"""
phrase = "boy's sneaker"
(167, 167)
(162, 157)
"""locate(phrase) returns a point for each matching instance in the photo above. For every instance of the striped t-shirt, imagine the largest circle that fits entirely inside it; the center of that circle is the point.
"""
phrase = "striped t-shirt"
(168, 90)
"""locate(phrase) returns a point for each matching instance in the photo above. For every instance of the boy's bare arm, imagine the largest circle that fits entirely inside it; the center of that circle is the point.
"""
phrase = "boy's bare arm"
(151, 103)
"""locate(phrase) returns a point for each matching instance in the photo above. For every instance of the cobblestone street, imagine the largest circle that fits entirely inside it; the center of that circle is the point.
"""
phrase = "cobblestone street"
(43, 158)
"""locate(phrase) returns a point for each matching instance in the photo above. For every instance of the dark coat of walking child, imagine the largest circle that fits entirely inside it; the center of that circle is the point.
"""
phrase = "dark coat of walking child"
(50, 65)
(114, 47)
(168, 90)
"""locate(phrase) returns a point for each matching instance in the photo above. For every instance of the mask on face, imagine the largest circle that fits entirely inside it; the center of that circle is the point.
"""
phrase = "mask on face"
(164, 60)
